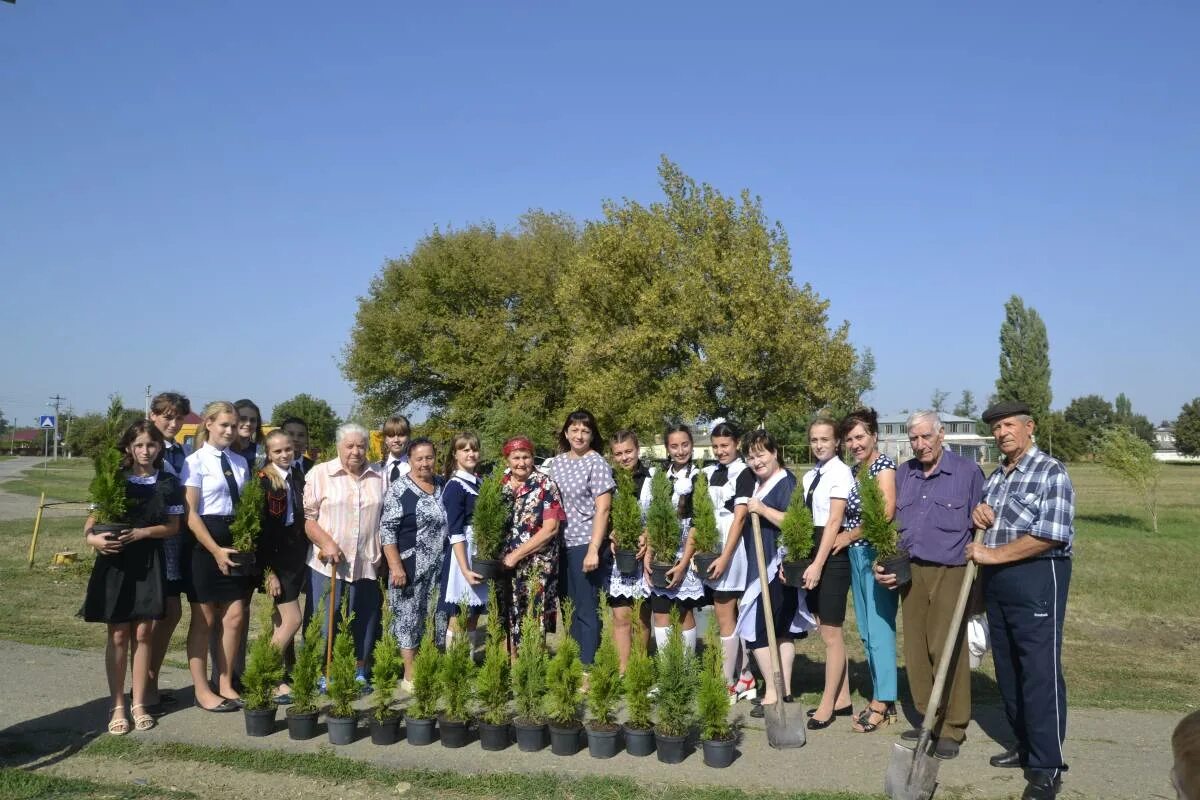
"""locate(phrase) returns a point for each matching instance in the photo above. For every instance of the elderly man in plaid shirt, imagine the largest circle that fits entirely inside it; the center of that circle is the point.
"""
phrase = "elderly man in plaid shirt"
(1028, 510)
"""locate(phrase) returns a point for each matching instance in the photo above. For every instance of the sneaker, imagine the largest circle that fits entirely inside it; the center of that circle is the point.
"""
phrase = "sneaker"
(321, 684)
(743, 688)
(364, 688)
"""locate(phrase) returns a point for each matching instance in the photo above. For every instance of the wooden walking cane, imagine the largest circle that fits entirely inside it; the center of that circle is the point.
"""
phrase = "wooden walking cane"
(329, 629)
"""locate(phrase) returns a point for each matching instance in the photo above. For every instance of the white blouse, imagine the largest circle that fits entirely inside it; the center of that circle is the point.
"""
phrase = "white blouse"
(836, 482)
(202, 469)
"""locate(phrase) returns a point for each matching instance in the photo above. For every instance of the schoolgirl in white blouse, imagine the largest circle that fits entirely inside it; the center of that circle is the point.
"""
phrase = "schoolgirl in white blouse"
(685, 591)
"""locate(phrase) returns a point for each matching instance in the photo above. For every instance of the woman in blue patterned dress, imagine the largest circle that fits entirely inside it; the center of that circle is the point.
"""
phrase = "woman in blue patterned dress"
(874, 605)
(413, 533)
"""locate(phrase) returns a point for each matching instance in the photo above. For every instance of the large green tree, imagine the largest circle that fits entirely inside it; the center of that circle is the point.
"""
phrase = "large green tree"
(1139, 424)
(1059, 438)
(3, 424)
(1187, 429)
(687, 308)
(966, 406)
(1024, 358)
(320, 417)
(87, 432)
(1090, 415)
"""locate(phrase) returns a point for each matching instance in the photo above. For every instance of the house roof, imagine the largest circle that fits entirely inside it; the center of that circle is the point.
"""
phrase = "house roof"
(903, 418)
(23, 435)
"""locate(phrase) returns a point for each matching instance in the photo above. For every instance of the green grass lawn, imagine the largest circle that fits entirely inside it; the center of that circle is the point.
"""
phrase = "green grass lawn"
(1132, 632)
(65, 479)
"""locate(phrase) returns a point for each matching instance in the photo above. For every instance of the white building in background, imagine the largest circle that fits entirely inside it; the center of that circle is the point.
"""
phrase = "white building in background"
(962, 438)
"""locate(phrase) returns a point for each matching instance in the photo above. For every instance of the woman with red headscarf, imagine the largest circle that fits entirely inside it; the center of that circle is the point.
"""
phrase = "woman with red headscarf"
(531, 549)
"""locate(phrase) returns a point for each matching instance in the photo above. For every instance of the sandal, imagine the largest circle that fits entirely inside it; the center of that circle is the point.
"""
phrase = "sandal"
(886, 717)
(118, 727)
(141, 722)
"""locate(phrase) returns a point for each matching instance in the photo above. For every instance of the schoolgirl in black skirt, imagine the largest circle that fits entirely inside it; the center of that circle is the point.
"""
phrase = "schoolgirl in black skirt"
(126, 589)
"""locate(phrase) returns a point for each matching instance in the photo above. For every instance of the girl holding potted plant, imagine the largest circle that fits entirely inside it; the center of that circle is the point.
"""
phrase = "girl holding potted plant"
(630, 501)
(683, 591)
(827, 581)
(213, 478)
(127, 586)
(460, 583)
(730, 485)
(874, 605)
(586, 482)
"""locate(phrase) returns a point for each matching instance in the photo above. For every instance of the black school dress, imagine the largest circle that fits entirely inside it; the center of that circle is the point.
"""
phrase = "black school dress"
(282, 547)
(131, 585)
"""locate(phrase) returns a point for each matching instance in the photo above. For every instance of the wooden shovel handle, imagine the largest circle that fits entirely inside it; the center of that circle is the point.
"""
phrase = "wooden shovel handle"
(943, 669)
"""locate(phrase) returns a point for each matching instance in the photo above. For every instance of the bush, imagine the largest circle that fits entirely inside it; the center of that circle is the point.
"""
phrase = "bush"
(796, 530)
(662, 526)
(386, 666)
(1133, 461)
(342, 686)
(487, 521)
(493, 681)
(107, 489)
(426, 672)
(876, 527)
(247, 517)
(604, 680)
(264, 666)
(626, 512)
(712, 700)
(529, 669)
(564, 679)
(676, 683)
(307, 668)
(707, 538)
(639, 676)
(456, 674)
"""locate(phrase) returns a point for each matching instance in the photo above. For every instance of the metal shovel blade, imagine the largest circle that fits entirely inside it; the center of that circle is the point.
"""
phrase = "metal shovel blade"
(783, 732)
(911, 774)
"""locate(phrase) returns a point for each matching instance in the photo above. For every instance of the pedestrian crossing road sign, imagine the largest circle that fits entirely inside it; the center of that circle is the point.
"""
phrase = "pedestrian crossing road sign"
(46, 421)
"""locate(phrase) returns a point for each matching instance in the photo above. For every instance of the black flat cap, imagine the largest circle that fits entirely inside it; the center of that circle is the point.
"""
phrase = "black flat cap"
(1009, 408)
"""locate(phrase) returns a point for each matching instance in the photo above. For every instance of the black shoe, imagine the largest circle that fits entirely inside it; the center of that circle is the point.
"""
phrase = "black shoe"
(844, 711)
(757, 711)
(911, 735)
(815, 724)
(1042, 786)
(1009, 759)
(945, 749)
(224, 707)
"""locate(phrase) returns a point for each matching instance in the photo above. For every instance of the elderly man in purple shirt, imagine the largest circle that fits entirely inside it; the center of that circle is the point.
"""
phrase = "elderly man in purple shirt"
(936, 491)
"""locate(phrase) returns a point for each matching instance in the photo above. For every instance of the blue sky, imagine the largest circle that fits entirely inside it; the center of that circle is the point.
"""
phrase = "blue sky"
(195, 194)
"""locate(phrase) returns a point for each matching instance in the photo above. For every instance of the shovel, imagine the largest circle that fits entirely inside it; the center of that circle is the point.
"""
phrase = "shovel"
(780, 732)
(912, 774)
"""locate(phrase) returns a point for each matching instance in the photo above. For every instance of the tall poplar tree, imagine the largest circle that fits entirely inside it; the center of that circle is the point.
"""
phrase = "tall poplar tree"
(1024, 358)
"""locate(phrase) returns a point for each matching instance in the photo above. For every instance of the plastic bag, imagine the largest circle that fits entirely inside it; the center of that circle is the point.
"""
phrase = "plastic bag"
(977, 639)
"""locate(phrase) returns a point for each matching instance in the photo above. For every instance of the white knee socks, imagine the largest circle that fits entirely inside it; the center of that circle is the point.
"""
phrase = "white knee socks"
(729, 659)
(660, 636)
(689, 640)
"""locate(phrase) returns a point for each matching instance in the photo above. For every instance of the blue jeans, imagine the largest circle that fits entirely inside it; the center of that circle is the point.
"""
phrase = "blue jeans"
(584, 590)
(875, 610)
(364, 600)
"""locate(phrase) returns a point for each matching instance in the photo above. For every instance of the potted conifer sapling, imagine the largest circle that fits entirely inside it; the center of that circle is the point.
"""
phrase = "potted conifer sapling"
(626, 522)
(385, 671)
(456, 677)
(342, 719)
(302, 713)
(676, 683)
(796, 538)
(264, 671)
(246, 526)
(881, 532)
(564, 679)
(705, 537)
(662, 530)
(529, 680)
(712, 702)
(637, 683)
(107, 489)
(604, 691)
(493, 681)
(487, 527)
(421, 717)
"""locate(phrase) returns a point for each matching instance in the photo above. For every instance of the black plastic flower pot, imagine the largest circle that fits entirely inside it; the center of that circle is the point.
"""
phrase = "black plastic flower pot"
(899, 566)
(386, 730)
(719, 753)
(604, 742)
(564, 741)
(419, 731)
(638, 741)
(301, 726)
(342, 730)
(494, 737)
(658, 575)
(671, 749)
(489, 568)
(260, 721)
(110, 530)
(702, 561)
(455, 733)
(244, 564)
(627, 561)
(793, 572)
(531, 737)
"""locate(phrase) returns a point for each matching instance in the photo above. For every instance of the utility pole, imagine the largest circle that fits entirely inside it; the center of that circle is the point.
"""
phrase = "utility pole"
(70, 416)
(58, 400)
(147, 401)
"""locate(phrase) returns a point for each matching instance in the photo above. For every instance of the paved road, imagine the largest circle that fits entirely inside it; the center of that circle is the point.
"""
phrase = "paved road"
(55, 699)
(19, 506)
